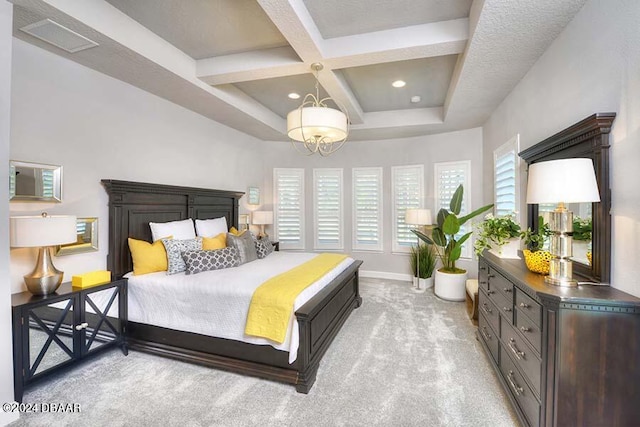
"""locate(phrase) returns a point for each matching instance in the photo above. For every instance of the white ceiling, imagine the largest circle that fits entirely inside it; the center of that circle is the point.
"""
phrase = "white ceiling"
(235, 61)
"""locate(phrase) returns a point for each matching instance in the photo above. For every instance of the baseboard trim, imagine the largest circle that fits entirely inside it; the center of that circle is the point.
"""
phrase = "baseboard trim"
(385, 275)
(7, 418)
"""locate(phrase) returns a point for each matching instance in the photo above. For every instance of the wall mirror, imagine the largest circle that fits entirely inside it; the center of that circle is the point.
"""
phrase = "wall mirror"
(588, 138)
(254, 196)
(87, 229)
(34, 182)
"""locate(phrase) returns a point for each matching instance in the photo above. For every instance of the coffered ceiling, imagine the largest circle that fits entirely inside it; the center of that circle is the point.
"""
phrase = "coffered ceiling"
(235, 61)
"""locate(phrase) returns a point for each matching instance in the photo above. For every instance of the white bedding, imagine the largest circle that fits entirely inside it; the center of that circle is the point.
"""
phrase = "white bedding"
(216, 303)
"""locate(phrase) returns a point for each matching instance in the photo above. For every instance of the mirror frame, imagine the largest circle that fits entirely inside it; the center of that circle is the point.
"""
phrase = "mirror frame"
(57, 176)
(78, 248)
(589, 138)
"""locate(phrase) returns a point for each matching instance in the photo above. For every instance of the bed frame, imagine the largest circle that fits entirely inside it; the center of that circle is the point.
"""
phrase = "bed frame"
(132, 205)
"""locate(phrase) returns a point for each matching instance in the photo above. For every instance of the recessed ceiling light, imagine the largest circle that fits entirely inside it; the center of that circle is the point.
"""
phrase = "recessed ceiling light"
(415, 99)
(294, 95)
(399, 83)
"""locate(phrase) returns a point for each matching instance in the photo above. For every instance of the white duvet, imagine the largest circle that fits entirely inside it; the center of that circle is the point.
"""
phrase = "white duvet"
(216, 303)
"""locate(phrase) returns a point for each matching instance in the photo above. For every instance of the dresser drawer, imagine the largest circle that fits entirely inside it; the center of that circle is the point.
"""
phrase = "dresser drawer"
(525, 358)
(489, 336)
(498, 282)
(504, 305)
(489, 310)
(529, 330)
(483, 274)
(528, 306)
(519, 388)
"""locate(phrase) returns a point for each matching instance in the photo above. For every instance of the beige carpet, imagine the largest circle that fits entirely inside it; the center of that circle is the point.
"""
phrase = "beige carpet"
(402, 359)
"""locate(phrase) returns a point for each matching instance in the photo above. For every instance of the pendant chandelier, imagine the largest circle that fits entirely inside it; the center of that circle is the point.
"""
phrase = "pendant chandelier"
(314, 127)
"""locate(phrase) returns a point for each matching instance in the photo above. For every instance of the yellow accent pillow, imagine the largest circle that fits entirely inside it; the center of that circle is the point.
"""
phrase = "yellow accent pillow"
(235, 231)
(217, 242)
(148, 257)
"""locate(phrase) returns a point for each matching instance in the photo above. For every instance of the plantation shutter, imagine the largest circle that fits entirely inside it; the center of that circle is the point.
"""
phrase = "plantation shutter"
(327, 197)
(408, 192)
(506, 191)
(367, 209)
(448, 176)
(289, 207)
(47, 183)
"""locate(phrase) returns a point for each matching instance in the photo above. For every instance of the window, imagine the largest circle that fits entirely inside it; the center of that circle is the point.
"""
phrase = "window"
(288, 191)
(407, 185)
(448, 176)
(367, 209)
(506, 179)
(327, 208)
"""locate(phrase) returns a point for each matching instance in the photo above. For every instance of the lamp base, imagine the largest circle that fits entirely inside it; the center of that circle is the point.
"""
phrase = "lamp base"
(562, 281)
(561, 272)
(45, 277)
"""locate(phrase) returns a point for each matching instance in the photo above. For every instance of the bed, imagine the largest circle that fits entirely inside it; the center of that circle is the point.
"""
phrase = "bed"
(133, 205)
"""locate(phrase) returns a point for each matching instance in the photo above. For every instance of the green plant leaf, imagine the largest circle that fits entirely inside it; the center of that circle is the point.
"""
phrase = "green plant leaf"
(423, 236)
(477, 212)
(439, 237)
(451, 225)
(442, 214)
(456, 201)
(464, 238)
(455, 253)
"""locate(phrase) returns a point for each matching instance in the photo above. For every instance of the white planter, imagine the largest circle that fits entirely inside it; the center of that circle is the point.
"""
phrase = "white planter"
(423, 284)
(508, 250)
(450, 287)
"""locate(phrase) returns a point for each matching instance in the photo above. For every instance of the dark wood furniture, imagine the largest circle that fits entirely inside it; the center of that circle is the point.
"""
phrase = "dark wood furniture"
(589, 138)
(276, 246)
(133, 205)
(565, 356)
(56, 331)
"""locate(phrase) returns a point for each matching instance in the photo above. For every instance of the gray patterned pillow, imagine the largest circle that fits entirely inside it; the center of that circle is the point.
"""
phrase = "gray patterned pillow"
(263, 247)
(244, 245)
(199, 261)
(175, 248)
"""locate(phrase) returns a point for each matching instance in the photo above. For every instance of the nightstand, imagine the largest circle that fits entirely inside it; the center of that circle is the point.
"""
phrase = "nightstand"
(55, 331)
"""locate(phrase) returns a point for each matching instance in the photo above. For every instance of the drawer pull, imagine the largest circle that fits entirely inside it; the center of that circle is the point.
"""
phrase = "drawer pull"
(516, 388)
(483, 282)
(507, 309)
(491, 275)
(81, 326)
(512, 346)
(524, 305)
(486, 310)
(487, 336)
(507, 289)
(483, 268)
(524, 329)
(491, 292)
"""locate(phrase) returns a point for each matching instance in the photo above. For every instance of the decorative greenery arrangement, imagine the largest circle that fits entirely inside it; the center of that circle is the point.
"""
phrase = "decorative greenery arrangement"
(427, 260)
(582, 229)
(443, 237)
(534, 240)
(495, 231)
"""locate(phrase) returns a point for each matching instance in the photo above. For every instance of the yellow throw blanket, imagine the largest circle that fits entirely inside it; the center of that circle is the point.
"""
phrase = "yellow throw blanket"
(272, 302)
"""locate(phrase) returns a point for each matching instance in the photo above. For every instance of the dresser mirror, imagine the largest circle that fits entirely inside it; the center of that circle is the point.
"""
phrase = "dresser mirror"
(588, 138)
(34, 182)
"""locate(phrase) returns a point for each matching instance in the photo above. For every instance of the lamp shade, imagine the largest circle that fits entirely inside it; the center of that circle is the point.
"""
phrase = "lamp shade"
(262, 217)
(566, 180)
(324, 123)
(418, 217)
(43, 230)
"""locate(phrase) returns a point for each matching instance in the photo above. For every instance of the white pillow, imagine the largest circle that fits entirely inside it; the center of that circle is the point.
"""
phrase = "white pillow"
(179, 230)
(211, 227)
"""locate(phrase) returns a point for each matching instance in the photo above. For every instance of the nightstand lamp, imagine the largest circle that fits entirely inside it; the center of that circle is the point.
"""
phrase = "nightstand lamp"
(419, 218)
(562, 181)
(43, 232)
(262, 218)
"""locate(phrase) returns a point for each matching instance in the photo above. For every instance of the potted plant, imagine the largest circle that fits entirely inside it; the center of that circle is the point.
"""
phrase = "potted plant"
(423, 262)
(450, 280)
(582, 229)
(535, 257)
(501, 235)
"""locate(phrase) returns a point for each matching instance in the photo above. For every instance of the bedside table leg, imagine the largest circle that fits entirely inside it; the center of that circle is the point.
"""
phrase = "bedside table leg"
(125, 348)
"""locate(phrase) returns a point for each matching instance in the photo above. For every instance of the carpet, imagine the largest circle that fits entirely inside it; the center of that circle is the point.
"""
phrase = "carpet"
(401, 359)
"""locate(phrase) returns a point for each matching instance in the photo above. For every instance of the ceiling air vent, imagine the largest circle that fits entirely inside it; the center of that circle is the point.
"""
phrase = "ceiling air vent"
(57, 35)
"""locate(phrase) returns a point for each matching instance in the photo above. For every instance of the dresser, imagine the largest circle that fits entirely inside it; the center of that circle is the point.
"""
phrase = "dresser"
(54, 332)
(565, 356)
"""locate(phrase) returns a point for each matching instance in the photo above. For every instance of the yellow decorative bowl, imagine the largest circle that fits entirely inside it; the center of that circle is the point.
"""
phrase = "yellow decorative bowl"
(538, 261)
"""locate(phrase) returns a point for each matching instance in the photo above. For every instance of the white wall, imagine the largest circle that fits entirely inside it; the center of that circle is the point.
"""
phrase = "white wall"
(426, 150)
(593, 66)
(6, 355)
(97, 127)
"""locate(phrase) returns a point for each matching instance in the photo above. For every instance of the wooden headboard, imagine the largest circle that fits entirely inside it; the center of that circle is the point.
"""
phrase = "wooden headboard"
(132, 205)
